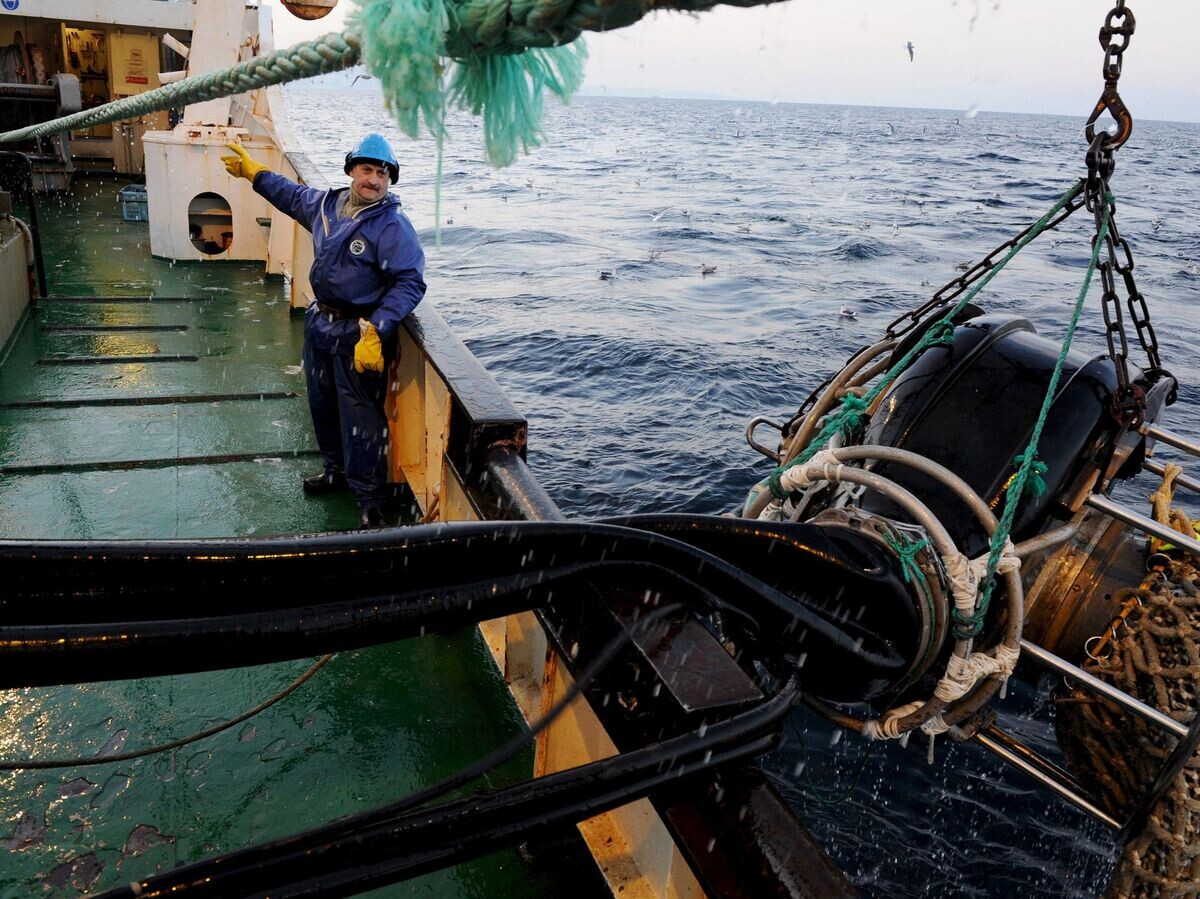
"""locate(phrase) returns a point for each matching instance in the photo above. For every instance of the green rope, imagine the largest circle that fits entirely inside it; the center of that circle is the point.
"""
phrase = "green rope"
(816, 791)
(970, 625)
(493, 57)
(907, 550)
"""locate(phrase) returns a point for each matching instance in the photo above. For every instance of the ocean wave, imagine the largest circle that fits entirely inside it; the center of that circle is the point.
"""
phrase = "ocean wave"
(859, 249)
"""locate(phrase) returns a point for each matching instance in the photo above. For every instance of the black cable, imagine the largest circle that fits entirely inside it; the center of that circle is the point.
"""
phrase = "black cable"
(268, 599)
(512, 747)
(362, 875)
(347, 856)
(44, 764)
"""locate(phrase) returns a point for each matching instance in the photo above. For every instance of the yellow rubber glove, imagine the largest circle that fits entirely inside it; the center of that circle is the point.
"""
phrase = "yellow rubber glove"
(368, 352)
(241, 165)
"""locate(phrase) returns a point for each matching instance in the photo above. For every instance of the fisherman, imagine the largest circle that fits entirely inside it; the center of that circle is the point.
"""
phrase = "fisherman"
(367, 275)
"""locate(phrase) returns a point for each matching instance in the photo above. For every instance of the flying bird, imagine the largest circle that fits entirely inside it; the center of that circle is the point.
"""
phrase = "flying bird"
(363, 76)
(909, 47)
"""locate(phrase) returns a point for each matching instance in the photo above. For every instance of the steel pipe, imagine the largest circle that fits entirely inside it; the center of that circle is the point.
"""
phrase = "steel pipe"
(1172, 439)
(1049, 539)
(1105, 689)
(1181, 480)
(1143, 523)
(18, 91)
(1022, 758)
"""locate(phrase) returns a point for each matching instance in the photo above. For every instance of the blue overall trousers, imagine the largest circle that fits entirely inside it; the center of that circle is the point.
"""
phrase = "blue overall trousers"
(367, 267)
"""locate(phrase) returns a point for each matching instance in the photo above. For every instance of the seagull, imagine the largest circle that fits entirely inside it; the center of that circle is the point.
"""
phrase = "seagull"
(909, 48)
(846, 312)
(707, 269)
(363, 76)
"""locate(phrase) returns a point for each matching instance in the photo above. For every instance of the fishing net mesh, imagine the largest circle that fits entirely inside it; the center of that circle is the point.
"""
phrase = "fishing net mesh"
(1151, 651)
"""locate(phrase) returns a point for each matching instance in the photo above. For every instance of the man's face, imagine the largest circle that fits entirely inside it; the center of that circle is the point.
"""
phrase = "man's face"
(369, 181)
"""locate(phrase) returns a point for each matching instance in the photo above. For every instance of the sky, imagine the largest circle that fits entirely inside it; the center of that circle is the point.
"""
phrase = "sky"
(1039, 56)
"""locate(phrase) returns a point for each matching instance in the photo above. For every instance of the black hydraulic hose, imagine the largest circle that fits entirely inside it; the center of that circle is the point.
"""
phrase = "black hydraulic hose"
(391, 810)
(516, 826)
(346, 856)
(76, 611)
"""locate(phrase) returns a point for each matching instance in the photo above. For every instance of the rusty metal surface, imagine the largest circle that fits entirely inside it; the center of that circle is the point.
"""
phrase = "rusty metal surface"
(768, 852)
(1072, 598)
(695, 669)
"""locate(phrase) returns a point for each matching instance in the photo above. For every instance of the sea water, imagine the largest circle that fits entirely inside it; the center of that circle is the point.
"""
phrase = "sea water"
(661, 271)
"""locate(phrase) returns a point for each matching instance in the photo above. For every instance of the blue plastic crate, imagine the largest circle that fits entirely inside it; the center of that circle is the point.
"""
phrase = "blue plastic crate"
(133, 203)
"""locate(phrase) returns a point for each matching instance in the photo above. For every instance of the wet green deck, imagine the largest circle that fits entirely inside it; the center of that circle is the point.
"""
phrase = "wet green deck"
(186, 417)
(175, 408)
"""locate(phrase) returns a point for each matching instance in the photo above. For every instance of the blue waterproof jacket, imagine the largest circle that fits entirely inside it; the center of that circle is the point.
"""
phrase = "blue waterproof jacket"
(371, 266)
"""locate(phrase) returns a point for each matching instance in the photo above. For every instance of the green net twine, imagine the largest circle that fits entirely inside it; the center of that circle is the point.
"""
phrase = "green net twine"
(403, 45)
(907, 550)
(1036, 485)
(507, 92)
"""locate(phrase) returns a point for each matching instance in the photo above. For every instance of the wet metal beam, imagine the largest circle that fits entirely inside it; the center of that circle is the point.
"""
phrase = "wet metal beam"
(1143, 523)
(1181, 480)
(88, 329)
(511, 479)
(94, 299)
(117, 360)
(1188, 446)
(1043, 771)
(1105, 689)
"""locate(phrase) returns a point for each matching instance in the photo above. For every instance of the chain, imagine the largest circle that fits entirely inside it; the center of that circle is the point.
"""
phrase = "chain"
(1129, 400)
(1115, 35)
(951, 291)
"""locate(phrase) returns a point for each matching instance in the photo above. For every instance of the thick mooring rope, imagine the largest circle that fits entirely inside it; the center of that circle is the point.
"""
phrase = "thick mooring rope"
(494, 57)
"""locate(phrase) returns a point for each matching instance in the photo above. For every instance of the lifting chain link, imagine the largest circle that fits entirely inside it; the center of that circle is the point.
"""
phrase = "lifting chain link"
(954, 289)
(1129, 400)
(1115, 35)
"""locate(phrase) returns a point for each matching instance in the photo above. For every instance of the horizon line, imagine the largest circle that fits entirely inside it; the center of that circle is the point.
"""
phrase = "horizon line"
(686, 96)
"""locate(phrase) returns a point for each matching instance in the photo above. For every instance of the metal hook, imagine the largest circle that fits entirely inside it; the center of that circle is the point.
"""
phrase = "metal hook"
(1111, 101)
(754, 423)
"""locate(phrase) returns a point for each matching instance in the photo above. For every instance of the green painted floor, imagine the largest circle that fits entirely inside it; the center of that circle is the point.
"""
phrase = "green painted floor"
(169, 404)
(185, 416)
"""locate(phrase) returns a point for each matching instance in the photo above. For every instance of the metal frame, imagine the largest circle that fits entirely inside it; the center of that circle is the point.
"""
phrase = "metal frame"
(1051, 775)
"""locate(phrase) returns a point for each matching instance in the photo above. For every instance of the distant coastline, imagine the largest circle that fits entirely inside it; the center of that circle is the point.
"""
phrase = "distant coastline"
(339, 82)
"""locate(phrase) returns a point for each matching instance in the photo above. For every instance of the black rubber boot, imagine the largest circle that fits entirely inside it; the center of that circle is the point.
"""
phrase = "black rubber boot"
(317, 484)
(372, 517)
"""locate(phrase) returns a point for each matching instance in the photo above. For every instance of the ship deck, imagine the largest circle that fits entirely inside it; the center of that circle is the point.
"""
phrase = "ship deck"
(155, 400)
(146, 398)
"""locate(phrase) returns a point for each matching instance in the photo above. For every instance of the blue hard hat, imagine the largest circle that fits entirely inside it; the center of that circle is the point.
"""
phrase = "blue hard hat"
(374, 148)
